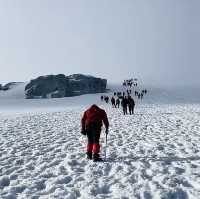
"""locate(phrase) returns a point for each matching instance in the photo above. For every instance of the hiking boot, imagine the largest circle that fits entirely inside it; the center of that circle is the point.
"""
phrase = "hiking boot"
(89, 155)
(96, 158)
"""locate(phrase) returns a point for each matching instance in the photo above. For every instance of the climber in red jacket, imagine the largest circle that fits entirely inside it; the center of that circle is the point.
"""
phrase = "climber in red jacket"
(91, 126)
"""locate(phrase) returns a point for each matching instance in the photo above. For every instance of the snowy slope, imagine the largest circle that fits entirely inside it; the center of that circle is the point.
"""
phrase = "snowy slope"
(153, 154)
(13, 106)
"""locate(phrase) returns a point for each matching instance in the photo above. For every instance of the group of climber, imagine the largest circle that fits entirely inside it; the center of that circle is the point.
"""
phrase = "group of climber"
(94, 117)
(141, 95)
(130, 83)
(92, 121)
(127, 103)
(105, 98)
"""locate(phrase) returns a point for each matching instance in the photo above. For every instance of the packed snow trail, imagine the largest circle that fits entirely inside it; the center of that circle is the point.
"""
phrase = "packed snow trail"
(153, 154)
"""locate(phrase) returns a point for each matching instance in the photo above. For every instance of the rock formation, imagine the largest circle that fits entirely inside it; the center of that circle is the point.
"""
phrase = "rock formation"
(56, 86)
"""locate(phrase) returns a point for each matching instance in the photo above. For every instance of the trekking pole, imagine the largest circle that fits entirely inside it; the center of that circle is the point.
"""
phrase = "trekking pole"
(106, 145)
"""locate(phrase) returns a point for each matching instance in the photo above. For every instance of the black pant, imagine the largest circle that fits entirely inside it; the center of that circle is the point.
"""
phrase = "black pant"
(93, 133)
(125, 110)
(131, 109)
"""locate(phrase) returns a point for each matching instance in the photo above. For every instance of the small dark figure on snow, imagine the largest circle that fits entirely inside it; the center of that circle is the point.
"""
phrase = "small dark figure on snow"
(92, 121)
(124, 83)
(124, 104)
(106, 98)
(113, 102)
(131, 105)
(130, 84)
(102, 98)
(119, 94)
(117, 102)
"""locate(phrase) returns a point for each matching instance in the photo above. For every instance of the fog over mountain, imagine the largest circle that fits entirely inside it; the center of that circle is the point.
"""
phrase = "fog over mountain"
(156, 41)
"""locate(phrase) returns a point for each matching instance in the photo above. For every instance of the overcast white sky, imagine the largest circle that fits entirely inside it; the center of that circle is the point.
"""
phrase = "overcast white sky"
(155, 40)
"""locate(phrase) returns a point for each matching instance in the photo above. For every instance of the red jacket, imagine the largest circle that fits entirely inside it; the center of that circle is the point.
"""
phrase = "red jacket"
(94, 114)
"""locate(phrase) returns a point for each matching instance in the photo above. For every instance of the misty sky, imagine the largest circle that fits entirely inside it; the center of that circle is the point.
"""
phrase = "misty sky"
(155, 40)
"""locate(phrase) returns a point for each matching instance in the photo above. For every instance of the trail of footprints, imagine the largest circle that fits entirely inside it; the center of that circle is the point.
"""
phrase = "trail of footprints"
(43, 156)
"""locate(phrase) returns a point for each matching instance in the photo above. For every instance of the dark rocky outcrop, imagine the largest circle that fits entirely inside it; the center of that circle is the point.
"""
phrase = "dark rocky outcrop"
(57, 86)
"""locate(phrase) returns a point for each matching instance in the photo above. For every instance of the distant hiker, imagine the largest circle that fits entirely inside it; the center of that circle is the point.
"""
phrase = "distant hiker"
(106, 98)
(117, 102)
(102, 98)
(91, 126)
(128, 92)
(124, 104)
(131, 105)
(113, 102)
(138, 95)
(141, 95)
(119, 94)
(130, 84)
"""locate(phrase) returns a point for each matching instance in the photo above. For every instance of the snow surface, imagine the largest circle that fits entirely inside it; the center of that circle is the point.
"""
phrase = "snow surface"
(152, 154)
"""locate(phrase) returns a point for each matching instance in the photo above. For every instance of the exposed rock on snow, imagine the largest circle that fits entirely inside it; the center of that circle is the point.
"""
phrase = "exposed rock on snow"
(56, 86)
